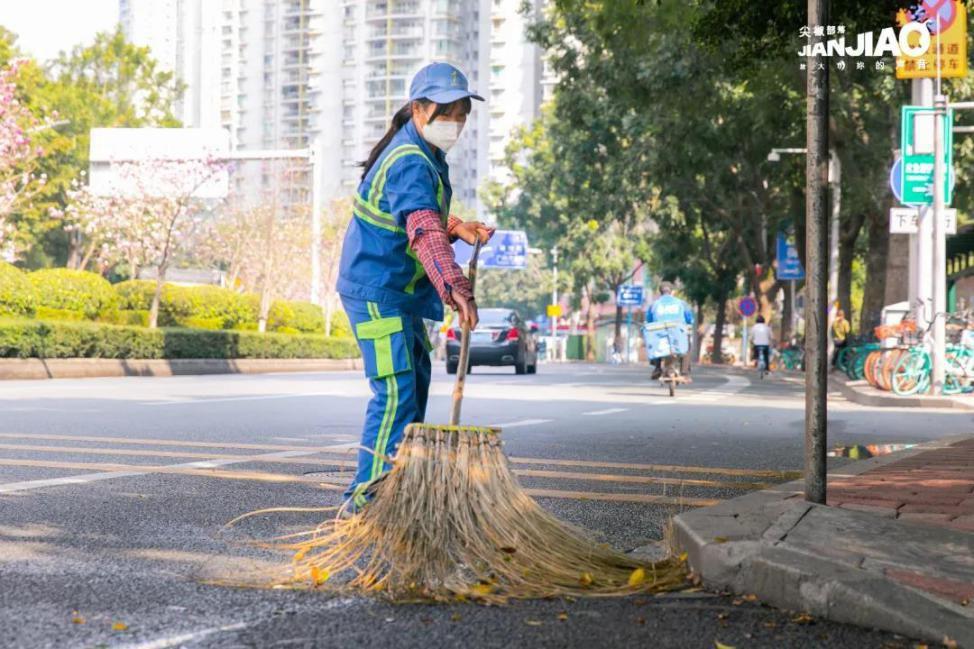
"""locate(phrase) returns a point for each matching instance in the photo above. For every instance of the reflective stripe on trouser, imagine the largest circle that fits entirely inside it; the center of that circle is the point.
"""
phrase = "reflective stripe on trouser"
(398, 367)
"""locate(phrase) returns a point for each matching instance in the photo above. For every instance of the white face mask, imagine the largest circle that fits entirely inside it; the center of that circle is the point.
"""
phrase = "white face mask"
(442, 134)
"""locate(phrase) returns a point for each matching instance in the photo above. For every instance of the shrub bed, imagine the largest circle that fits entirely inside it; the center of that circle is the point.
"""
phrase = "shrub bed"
(16, 293)
(73, 290)
(62, 339)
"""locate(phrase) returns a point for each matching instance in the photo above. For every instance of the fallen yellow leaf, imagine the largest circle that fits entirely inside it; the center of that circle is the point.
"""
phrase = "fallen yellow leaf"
(683, 557)
(585, 579)
(563, 616)
(803, 618)
(949, 642)
(720, 645)
(482, 589)
(455, 617)
(720, 539)
(319, 576)
(120, 626)
(637, 577)
(533, 622)
(750, 598)
(300, 555)
(77, 619)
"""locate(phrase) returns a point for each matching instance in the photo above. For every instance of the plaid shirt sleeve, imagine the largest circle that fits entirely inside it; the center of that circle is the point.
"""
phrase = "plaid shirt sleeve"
(431, 243)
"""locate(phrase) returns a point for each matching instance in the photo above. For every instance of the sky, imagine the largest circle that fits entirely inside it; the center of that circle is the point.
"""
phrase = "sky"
(46, 27)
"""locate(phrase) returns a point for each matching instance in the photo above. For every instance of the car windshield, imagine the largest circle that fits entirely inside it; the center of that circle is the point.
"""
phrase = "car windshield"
(495, 317)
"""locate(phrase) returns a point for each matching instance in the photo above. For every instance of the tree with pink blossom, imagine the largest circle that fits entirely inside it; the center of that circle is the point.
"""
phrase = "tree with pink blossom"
(18, 154)
(145, 218)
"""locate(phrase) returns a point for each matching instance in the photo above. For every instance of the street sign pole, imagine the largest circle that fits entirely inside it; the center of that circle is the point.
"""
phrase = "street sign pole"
(939, 248)
(816, 242)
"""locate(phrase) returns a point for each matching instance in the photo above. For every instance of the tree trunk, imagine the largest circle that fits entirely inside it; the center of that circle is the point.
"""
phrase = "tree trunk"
(877, 229)
(157, 296)
(847, 252)
(590, 324)
(787, 312)
(87, 257)
(698, 329)
(716, 356)
(617, 341)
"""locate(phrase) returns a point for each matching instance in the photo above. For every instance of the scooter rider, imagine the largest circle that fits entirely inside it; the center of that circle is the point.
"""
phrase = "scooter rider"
(669, 308)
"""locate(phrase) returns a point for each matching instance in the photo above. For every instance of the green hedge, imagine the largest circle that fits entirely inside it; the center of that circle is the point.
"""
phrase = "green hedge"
(16, 293)
(208, 307)
(73, 290)
(44, 339)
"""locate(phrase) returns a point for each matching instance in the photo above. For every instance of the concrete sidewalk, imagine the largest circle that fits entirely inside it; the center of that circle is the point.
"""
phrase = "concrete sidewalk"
(895, 553)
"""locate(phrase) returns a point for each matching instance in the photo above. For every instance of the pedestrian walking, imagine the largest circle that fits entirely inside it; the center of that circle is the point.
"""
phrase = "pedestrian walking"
(397, 264)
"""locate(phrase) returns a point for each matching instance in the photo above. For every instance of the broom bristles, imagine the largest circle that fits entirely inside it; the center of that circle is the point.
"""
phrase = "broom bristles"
(450, 521)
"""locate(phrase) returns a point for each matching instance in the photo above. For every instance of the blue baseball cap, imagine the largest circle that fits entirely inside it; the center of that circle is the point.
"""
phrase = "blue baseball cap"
(442, 83)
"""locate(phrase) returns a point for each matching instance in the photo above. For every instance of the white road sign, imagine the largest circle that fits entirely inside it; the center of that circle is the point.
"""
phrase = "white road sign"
(905, 220)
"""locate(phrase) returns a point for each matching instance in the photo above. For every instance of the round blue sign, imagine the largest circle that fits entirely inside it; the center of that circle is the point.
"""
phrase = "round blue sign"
(747, 306)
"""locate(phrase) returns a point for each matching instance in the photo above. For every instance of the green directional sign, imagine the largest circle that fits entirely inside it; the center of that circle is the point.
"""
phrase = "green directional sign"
(917, 142)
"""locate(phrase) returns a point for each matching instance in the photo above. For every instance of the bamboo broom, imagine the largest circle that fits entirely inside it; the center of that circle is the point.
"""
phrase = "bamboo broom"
(450, 521)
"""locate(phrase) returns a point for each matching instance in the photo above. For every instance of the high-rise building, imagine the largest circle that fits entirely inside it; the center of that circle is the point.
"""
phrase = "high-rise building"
(286, 74)
(519, 78)
(183, 37)
(384, 42)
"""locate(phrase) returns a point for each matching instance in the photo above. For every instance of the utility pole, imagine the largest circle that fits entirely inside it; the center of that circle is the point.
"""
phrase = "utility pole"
(939, 247)
(554, 292)
(316, 180)
(816, 247)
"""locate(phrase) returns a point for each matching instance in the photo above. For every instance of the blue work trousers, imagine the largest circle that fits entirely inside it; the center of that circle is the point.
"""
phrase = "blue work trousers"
(396, 355)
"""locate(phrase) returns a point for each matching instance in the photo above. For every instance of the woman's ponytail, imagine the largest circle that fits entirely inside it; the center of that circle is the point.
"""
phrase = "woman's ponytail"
(400, 119)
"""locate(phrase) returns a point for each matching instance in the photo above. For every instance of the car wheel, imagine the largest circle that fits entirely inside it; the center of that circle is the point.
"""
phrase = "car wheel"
(521, 367)
(533, 369)
(451, 368)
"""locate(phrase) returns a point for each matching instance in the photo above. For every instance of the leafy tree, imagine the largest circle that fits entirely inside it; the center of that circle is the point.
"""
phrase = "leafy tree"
(108, 83)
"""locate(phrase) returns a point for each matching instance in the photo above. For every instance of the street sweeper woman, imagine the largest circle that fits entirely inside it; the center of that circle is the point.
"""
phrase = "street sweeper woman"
(397, 265)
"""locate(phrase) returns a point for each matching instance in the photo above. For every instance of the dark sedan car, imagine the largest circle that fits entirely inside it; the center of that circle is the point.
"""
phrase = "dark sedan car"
(501, 338)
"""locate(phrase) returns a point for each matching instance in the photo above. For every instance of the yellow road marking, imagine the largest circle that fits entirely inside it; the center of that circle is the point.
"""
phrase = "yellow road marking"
(241, 457)
(154, 468)
(528, 473)
(638, 479)
(664, 468)
(170, 442)
(283, 478)
(661, 468)
(625, 498)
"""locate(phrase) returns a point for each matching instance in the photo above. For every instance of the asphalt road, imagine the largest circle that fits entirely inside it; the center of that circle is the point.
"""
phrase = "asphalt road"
(114, 493)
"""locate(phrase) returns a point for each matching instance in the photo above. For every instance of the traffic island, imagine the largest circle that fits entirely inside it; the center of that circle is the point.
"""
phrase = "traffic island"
(896, 553)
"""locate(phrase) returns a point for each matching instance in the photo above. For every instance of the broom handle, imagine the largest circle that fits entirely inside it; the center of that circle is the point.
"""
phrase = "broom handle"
(464, 346)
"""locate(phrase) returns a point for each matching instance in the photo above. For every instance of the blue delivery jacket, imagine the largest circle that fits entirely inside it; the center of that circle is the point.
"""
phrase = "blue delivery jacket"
(669, 309)
(377, 264)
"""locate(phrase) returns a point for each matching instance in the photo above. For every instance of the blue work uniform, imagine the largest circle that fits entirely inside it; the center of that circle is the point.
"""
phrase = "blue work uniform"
(669, 309)
(386, 295)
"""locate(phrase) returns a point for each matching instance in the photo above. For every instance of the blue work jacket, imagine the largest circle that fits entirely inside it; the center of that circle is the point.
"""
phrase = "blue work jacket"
(377, 264)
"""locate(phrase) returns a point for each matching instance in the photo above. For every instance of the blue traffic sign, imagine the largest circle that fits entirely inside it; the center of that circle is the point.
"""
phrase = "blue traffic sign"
(629, 295)
(747, 306)
(506, 249)
(789, 263)
(896, 180)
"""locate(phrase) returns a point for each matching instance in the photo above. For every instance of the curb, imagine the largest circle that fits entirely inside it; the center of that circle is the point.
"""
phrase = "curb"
(862, 393)
(831, 562)
(79, 368)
